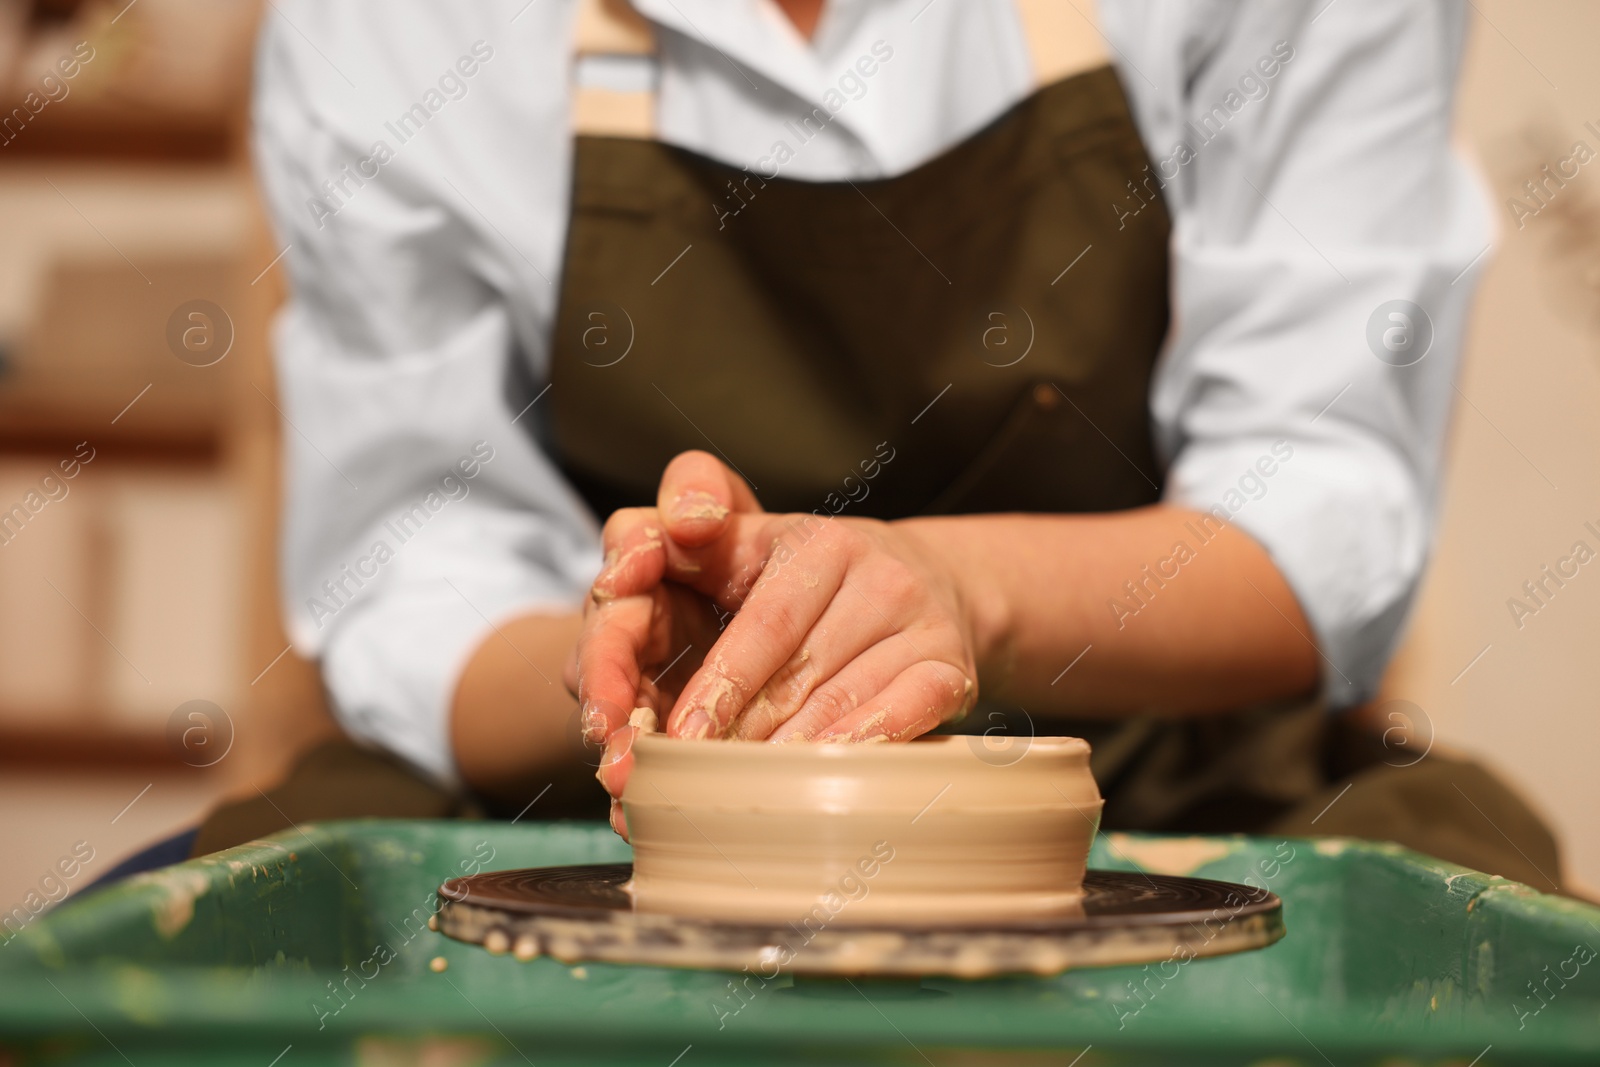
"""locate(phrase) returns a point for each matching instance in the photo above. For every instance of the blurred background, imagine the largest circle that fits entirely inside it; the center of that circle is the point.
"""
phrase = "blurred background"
(144, 671)
(142, 664)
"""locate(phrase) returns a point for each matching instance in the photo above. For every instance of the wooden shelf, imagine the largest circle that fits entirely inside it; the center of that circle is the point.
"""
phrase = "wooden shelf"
(127, 203)
(41, 749)
(170, 422)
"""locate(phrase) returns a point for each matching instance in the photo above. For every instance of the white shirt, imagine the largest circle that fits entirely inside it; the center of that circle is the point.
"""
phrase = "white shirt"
(424, 293)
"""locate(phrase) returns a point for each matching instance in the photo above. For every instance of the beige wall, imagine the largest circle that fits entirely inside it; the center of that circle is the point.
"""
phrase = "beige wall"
(1525, 453)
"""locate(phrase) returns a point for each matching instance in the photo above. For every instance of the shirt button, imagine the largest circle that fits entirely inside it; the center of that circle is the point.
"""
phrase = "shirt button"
(1046, 397)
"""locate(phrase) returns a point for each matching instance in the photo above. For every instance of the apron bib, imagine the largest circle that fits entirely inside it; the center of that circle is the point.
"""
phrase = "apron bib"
(927, 319)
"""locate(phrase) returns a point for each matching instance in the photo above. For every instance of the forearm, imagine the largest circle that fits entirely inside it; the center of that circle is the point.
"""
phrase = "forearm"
(1207, 626)
(512, 719)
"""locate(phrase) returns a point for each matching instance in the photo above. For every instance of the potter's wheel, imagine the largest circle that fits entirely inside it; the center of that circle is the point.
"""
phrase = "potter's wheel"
(583, 913)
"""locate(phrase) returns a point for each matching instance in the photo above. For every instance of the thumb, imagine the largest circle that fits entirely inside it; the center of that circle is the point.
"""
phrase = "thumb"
(698, 492)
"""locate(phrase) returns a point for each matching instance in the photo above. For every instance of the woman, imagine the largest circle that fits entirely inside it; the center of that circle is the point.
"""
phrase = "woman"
(1045, 338)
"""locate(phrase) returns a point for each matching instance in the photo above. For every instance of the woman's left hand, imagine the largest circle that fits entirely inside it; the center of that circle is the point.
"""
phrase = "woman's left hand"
(836, 630)
(853, 631)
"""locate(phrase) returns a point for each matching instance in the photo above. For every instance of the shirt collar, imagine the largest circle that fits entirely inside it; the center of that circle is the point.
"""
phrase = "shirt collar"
(759, 43)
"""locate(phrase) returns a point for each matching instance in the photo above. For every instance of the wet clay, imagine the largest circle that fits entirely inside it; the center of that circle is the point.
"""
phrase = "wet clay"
(938, 830)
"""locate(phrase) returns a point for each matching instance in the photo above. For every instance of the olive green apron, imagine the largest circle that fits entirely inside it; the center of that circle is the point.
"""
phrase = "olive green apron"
(975, 335)
(830, 324)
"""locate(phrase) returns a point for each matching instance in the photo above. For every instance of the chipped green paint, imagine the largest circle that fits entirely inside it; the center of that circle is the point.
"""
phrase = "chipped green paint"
(141, 994)
(1390, 958)
(396, 852)
(177, 889)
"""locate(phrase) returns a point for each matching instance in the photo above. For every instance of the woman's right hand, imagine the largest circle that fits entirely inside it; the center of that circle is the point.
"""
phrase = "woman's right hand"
(639, 650)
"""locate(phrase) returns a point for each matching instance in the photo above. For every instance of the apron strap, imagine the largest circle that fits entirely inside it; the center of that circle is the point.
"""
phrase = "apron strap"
(611, 29)
(1062, 41)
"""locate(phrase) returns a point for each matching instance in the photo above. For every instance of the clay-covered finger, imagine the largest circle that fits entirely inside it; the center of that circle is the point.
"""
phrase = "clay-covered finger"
(758, 719)
(635, 558)
(617, 761)
(795, 588)
(610, 652)
(842, 692)
(849, 629)
(697, 493)
(925, 694)
(726, 567)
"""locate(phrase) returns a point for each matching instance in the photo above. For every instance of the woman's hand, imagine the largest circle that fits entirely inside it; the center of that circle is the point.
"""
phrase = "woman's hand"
(636, 652)
(631, 615)
(836, 629)
(642, 638)
(851, 631)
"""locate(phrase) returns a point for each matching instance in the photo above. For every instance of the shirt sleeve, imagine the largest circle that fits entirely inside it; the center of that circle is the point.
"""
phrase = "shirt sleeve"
(420, 510)
(1325, 245)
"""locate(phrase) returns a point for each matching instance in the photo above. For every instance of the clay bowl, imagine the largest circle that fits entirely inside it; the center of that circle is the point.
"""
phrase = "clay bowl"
(937, 831)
